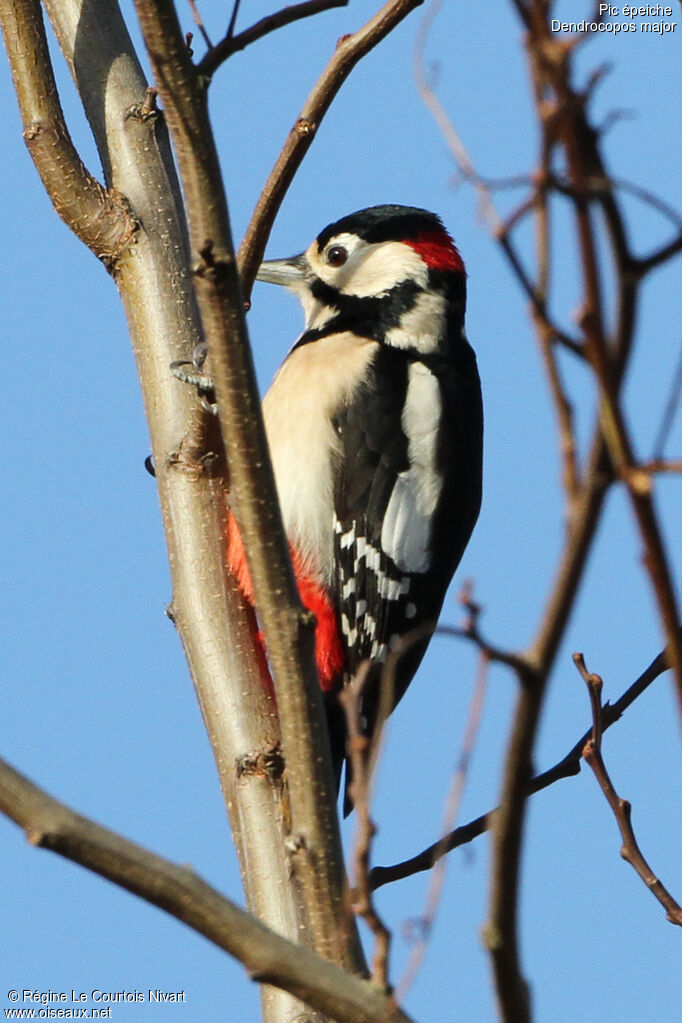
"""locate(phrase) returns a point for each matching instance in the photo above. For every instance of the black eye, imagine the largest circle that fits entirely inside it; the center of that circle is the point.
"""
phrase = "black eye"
(337, 255)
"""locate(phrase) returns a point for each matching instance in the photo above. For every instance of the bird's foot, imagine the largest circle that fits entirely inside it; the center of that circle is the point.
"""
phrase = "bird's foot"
(186, 371)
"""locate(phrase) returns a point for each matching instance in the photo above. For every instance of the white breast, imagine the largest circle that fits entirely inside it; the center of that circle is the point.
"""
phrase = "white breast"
(313, 383)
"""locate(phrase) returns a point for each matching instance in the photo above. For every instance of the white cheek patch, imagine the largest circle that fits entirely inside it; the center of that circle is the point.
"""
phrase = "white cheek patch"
(406, 530)
(371, 269)
(422, 326)
(378, 268)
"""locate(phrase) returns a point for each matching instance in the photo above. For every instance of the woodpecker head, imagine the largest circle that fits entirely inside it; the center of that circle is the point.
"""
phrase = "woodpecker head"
(388, 273)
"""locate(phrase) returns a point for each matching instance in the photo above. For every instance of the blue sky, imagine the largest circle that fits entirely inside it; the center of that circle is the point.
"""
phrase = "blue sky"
(96, 704)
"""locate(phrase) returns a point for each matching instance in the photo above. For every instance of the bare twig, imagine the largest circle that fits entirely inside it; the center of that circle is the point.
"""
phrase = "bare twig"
(199, 22)
(580, 141)
(669, 412)
(350, 49)
(493, 653)
(662, 255)
(533, 669)
(454, 799)
(179, 891)
(599, 185)
(662, 465)
(499, 229)
(501, 930)
(568, 126)
(232, 24)
(568, 448)
(232, 43)
(358, 746)
(621, 808)
(523, 11)
(567, 767)
(562, 405)
(471, 630)
(540, 310)
(445, 125)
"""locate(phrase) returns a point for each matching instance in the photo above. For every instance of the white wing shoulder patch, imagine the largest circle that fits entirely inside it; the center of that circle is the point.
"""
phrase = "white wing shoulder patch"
(406, 529)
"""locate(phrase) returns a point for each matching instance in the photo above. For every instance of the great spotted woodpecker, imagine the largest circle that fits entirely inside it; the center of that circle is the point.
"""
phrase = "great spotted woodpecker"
(374, 423)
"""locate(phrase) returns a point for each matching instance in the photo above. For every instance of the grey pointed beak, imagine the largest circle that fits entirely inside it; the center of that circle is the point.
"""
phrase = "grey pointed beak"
(289, 272)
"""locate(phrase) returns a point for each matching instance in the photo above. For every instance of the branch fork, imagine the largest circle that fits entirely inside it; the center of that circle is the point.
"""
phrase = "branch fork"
(621, 808)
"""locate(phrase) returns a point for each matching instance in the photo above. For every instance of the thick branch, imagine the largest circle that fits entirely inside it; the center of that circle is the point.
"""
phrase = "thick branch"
(289, 637)
(101, 219)
(161, 309)
(268, 957)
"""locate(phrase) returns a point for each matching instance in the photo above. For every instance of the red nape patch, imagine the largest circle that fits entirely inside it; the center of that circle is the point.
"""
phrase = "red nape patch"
(438, 251)
(328, 649)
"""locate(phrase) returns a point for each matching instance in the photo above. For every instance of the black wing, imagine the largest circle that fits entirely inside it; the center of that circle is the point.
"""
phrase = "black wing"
(388, 580)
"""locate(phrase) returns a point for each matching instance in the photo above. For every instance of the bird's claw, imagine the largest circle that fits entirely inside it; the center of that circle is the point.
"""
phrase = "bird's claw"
(187, 372)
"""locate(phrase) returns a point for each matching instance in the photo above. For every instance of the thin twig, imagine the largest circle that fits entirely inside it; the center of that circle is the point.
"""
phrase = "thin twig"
(600, 185)
(471, 630)
(580, 142)
(437, 880)
(233, 19)
(349, 50)
(539, 306)
(556, 104)
(445, 125)
(568, 448)
(650, 199)
(669, 412)
(358, 746)
(567, 767)
(662, 465)
(662, 255)
(198, 21)
(622, 810)
(493, 653)
(562, 406)
(507, 184)
(499, 229)
(231, 43)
